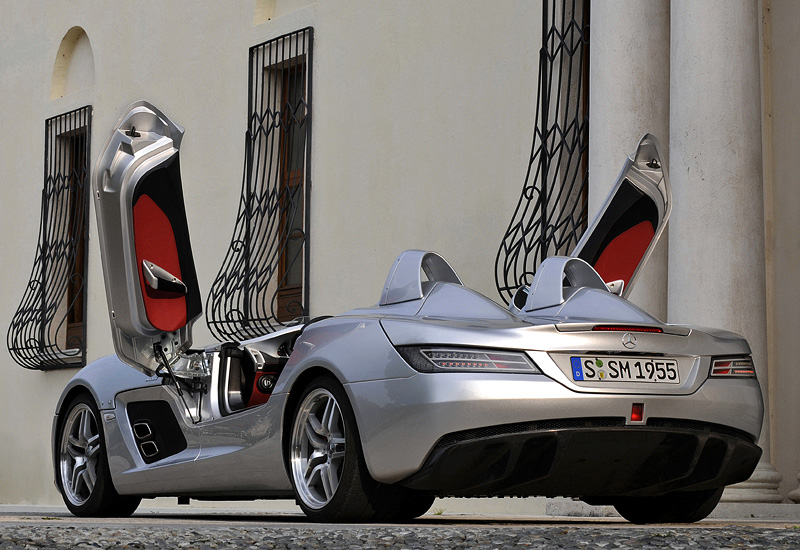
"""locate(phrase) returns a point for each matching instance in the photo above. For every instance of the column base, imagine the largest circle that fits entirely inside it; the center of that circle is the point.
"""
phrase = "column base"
(794, 496)
(761, 487)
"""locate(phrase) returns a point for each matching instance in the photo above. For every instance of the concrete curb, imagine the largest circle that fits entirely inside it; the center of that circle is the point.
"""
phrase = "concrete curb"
(724, 510)
(520, 509)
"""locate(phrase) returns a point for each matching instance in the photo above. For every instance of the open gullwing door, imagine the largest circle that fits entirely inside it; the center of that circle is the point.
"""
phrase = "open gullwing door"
(148, 268)
(623, 234)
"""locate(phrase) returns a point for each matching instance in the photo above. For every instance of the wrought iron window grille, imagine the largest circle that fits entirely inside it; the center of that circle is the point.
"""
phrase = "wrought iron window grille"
(551, 214)
(48, 329)
(263, 282)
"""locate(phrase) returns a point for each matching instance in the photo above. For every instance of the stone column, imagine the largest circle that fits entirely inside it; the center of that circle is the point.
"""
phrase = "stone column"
(781, 133)
(629, 97)
(716, 248)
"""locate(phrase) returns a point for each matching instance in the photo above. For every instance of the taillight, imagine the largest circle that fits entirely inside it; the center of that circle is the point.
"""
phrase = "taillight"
(738, 367)
(442, 359)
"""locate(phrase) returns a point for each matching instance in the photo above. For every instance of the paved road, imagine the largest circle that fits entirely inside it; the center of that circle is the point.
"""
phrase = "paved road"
(211, 530)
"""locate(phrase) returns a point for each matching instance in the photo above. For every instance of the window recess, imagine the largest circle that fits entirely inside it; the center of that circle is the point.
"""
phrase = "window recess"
(263, 281)
(551, 214)
(48, 330)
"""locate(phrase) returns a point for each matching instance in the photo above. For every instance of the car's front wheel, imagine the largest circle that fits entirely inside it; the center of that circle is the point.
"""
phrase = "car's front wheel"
(678, 507)
(328, 471)
(83, 474)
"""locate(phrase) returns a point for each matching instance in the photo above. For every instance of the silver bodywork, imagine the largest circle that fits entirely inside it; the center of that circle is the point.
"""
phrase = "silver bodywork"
(236, 439)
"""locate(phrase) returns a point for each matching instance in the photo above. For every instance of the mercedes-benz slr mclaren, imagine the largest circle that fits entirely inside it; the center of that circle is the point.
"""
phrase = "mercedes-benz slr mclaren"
(434, 391)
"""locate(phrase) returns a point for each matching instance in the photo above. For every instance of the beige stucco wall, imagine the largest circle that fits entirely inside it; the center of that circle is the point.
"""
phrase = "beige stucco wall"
(419, 154)
(423, 115)
(422, 132)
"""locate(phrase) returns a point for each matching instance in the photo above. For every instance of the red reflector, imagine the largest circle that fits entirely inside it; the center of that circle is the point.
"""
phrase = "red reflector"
(637, 412)
(722, 367)
(618, 328)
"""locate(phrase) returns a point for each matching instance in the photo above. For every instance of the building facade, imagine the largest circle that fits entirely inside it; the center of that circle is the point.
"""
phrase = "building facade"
(423, 114)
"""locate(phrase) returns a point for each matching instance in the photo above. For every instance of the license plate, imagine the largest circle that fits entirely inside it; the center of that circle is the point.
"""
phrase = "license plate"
(625, 369)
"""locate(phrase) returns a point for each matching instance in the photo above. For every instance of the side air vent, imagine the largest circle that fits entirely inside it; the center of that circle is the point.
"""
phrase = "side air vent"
(156, 429)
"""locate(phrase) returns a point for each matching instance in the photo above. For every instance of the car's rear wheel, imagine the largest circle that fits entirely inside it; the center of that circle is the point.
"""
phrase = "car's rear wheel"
(83, 474)
(678, 507)
(408, 505)
(328, 471)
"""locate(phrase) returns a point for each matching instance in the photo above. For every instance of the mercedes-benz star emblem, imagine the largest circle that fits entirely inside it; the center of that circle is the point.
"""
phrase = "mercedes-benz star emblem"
(629, 340)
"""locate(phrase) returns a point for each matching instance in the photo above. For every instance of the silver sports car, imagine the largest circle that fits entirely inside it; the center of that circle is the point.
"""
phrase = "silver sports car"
(434, 391)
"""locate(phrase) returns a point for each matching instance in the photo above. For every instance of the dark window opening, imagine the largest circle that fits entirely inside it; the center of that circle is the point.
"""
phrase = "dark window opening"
(292, 147)
(77, 226)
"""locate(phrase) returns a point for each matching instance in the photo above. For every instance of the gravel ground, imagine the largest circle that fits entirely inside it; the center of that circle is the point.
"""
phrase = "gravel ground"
(271, 536)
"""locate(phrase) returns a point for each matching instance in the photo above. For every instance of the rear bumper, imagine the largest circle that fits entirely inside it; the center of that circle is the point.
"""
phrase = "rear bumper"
(593, 458)
(401, 421)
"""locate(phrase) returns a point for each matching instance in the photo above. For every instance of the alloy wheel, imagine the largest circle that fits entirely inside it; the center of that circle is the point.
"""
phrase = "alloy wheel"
(318, 448)
(79, 454)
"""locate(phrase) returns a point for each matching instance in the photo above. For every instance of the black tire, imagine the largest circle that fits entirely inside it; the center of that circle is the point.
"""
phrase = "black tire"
(331, 452)
(82, 472)
(678, 507)
(407, 505)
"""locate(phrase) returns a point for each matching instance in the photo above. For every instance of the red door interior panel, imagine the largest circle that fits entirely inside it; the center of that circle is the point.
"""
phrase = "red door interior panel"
(622, 255)
(154, 241)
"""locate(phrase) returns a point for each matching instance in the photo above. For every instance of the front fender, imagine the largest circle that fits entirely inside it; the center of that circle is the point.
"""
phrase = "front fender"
(103, 378)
